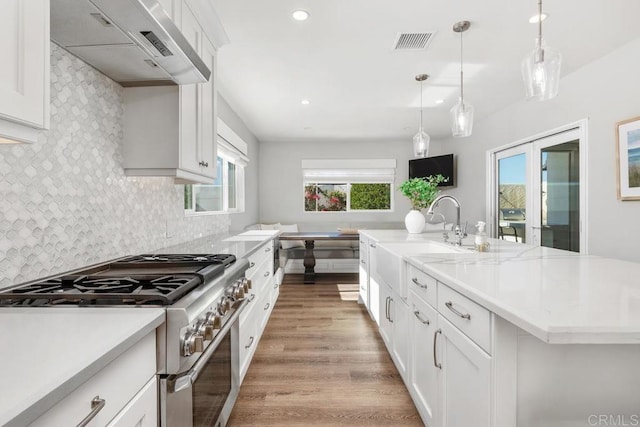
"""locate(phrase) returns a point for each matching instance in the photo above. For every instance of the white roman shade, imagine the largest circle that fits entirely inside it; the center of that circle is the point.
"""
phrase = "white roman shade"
(231, 146)
(349, 171)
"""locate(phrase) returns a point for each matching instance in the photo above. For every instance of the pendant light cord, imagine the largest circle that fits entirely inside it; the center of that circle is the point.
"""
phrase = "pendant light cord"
(461, 72)
(420, 105)
(540, 54)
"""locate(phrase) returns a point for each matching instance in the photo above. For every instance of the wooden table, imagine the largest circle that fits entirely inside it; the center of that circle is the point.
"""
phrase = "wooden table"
(309, 238)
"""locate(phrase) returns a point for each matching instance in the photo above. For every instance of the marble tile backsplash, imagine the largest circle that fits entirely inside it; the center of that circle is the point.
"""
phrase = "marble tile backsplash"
(65, 201)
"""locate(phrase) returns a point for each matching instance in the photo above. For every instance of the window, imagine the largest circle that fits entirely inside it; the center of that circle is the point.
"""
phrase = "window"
(348, 185)
(226, 194)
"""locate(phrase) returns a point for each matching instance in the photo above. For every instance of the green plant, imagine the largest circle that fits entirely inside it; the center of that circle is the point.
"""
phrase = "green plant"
(422, 191)
(370, 196)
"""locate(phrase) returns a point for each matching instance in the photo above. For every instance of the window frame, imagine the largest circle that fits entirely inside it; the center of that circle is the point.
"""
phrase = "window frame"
(239, 175)
(348, 183)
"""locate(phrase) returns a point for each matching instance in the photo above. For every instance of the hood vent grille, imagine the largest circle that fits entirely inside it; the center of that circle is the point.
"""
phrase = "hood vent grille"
(412, 41)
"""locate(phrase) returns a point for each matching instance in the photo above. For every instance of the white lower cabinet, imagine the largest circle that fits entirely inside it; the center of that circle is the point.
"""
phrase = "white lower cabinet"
(423, 374)
(142, 410)
(394, 327)
(449, 376)
(262, 297)
(465, 379)
(126, 386)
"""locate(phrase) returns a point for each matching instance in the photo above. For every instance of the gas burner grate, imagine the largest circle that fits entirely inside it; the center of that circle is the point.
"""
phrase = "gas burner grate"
(91, 290)
(178, 259)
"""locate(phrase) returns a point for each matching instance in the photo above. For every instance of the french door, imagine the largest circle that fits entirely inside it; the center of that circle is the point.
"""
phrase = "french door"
(538, 193)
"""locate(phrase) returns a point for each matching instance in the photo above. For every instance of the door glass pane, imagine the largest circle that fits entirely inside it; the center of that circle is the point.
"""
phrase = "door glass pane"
(512, 200)
(560, 196)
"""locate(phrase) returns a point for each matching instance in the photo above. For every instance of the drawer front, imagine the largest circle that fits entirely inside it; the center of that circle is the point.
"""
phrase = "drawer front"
(247, 335)
(264, 307)
(422, 285)
(263, 253)
(117, 383)
(142, 410)
(260, 277)
(471, 318)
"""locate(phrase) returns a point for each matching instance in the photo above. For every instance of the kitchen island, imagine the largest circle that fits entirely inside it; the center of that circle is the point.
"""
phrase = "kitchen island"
(516, 336)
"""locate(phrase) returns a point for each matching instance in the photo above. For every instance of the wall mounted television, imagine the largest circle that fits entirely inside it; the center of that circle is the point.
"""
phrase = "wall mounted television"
(443, 165)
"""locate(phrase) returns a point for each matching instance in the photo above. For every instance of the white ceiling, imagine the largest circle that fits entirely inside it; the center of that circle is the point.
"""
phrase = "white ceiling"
(341, 60)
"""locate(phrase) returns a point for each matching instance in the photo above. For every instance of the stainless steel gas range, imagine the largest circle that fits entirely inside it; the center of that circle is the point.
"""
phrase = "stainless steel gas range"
(203, 295)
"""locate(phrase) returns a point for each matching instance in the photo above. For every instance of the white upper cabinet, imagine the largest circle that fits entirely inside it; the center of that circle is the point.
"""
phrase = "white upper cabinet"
(24, 75)
(171, 130)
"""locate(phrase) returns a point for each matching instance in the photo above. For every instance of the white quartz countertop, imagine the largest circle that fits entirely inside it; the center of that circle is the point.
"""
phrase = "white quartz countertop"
(47, 352)
(557, 296)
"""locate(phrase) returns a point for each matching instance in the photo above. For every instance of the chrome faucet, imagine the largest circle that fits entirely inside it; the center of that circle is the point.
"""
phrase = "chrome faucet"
(460, 233)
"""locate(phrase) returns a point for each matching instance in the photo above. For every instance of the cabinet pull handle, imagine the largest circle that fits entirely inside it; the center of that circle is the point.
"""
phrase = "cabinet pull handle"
(372, 245)
(253, 296)
(415, 280)
(449, 305)
(362, 262)
(390, 301)
(386, 308)
(266, 274)
(421, 319)
(275, 285)
(251, 264)
(435, 356)
(266, 307)
(250, 343)
(267, 250)
(96, 406)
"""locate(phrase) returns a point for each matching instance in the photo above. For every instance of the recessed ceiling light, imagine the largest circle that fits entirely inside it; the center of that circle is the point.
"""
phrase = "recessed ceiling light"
(535, 18)
(439, 101)
(300, 15)
(305, 102)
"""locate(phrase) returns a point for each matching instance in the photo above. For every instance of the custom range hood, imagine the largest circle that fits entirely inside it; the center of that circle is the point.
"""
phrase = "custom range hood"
(133, 42)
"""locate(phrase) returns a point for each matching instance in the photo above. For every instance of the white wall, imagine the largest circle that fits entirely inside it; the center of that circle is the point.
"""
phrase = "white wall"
(605, 91)
(281, 190)
(250, 215)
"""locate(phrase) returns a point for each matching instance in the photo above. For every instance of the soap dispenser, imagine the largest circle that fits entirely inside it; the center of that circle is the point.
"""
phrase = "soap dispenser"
(481, 243)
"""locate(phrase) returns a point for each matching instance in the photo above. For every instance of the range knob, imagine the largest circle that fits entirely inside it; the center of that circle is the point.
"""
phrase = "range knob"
(238, 291)
(213, 319)
(223, 306)
(247, 283)
(193, 342)
(205, 330)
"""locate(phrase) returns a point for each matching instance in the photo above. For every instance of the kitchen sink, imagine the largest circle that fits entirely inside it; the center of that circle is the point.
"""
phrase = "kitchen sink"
(389, 261)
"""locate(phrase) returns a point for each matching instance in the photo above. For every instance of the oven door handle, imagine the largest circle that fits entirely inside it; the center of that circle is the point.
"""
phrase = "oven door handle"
(186, 379)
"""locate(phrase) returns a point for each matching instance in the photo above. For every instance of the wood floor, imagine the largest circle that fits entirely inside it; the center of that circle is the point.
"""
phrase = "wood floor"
(322, 362)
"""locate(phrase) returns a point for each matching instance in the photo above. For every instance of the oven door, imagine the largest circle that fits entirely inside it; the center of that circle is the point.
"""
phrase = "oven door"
(205, 395)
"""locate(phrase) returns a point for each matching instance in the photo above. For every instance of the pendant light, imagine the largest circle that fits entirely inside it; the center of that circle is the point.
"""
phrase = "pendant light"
(462, 112)
(541, 68)
(421, 139)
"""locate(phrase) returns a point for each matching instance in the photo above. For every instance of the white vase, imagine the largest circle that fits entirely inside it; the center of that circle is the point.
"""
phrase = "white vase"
(414, 221)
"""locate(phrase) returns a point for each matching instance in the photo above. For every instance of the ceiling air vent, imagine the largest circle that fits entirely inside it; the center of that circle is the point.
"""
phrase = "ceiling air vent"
(412, 41)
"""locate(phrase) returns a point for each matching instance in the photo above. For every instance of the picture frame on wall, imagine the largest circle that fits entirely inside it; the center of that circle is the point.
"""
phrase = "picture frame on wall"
(628, 158)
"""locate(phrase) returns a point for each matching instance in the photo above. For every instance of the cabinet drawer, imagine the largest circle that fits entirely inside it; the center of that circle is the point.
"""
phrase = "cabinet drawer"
(258, 257)
(260, 277)
(422, 285)
(472, 319)
(142, 410)
(117, 383)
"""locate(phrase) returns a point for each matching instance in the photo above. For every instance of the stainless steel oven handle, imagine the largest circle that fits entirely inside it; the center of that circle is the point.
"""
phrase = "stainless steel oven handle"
(185, 380)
